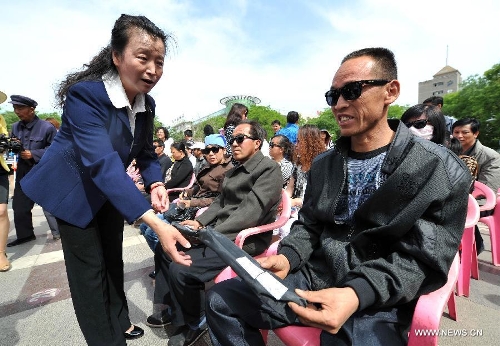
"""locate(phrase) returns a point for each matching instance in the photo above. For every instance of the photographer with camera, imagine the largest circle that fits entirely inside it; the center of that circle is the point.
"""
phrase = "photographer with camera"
(34, 136)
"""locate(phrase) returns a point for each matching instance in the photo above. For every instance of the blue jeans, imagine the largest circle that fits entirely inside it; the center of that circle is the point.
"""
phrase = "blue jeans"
(149, 234)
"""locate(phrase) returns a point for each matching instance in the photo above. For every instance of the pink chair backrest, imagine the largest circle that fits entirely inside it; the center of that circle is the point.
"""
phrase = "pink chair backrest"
(483, 191)
(284, 215)
(285, 208)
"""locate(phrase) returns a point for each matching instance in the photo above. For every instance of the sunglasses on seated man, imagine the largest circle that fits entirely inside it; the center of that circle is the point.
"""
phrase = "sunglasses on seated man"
(239, 139)
(418, 124)
(214, 149)
(351, 91)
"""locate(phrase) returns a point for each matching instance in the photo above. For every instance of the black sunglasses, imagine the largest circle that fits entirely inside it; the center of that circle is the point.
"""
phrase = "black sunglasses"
(239, 139)
(351, 91)
(214, 150)
(418, 124)
(272, 145)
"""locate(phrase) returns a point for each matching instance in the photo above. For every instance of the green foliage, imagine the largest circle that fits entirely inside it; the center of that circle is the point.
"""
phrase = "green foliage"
(216, 122)
(265, 116)
(478, 98)
(396, 111)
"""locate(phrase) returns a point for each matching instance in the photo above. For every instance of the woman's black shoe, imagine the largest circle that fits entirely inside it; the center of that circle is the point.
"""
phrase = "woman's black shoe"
(135, 333)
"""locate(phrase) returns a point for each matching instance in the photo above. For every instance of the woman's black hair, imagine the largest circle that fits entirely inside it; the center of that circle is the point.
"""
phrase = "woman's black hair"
(455, 146)
(434, 116)
(180, 146)
(165, 131)
(286, 145)
(208, 130)
(102, 63)
(236, 114)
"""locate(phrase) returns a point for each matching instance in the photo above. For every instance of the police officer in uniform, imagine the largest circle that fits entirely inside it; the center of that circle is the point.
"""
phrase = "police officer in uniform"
(35, 136)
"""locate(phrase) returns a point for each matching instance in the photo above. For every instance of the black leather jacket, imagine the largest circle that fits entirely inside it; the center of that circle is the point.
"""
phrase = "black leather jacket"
(405, 235)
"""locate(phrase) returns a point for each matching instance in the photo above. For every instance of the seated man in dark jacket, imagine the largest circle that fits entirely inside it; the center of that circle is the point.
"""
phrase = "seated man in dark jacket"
(250, 195)
(381, 222)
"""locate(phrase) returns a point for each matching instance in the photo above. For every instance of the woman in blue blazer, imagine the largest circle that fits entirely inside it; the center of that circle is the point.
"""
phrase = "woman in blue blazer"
(107, 121)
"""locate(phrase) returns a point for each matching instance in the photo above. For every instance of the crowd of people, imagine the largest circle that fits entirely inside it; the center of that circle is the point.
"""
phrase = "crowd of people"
(360, 259)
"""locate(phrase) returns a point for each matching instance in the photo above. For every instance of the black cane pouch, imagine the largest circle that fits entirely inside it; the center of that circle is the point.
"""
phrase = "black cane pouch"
(269, 287)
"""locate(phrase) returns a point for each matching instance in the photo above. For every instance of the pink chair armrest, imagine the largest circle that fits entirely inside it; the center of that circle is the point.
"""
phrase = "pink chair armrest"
(178, 189)
(430, 307)
(482, 190)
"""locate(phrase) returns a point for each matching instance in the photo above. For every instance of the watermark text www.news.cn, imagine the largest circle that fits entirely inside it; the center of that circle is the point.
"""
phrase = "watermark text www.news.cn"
(449, 332)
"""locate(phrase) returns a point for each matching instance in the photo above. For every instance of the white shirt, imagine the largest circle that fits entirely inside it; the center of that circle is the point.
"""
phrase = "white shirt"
(119, 99)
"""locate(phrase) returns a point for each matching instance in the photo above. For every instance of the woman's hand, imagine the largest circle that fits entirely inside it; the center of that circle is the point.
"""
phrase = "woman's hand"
(159, 199)
(169, 236)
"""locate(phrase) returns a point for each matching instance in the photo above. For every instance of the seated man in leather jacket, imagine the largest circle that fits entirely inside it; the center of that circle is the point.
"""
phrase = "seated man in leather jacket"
(381, 222)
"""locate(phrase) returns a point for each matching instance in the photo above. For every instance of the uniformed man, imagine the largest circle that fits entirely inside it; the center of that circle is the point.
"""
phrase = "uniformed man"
(35, 136)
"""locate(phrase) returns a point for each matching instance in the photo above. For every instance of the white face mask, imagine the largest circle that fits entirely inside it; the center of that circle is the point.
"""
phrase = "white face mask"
(425, 133)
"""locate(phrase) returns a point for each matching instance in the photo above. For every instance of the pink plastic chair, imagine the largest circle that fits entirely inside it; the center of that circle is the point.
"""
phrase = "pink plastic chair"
(493, 223)
(483, 191)
(430, 307)
(468, 258)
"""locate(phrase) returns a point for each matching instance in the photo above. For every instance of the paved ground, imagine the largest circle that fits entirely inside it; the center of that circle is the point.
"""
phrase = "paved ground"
(36, 307)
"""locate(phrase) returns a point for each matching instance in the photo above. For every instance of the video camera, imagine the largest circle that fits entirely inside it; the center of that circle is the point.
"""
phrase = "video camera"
(10, 144)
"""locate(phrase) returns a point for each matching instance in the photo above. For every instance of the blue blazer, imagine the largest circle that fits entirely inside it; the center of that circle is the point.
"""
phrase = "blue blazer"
(86, 164)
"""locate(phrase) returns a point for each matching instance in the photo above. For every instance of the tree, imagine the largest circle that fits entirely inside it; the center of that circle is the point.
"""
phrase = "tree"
(396, 111)
(265, 116)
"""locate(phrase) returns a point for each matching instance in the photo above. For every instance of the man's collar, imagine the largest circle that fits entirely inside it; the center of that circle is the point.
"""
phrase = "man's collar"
(253, 161)
(30, 123)
(117, 95)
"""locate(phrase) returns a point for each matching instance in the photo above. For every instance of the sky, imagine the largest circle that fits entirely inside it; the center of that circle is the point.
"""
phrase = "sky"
(283, 52)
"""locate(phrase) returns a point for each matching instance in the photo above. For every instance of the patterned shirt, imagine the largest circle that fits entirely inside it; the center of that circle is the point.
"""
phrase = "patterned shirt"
(364, 177)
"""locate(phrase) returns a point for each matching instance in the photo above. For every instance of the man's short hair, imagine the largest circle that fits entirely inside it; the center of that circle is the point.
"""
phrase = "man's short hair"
(159, 142)
(188, 133)
(434, 100)
(292, 117)
(276, 122)
(473, 122)
(385, 62)
(256, 131)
